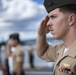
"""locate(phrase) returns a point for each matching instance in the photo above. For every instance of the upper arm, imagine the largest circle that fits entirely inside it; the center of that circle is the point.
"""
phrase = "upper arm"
(50, 54)
(20, 57)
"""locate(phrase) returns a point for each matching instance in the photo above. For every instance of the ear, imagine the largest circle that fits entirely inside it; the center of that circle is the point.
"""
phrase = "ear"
(72, 19)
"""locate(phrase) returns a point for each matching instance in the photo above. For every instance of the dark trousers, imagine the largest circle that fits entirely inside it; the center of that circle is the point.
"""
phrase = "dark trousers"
(7, 66)
(31, 57)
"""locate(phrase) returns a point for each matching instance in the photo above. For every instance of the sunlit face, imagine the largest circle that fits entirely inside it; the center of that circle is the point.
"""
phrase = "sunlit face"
(58, 24)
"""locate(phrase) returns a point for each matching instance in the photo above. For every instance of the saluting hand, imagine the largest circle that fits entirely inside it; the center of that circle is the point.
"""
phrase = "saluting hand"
(43, 29)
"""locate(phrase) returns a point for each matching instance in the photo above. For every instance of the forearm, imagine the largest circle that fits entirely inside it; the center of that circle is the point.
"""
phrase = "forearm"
(41, 45)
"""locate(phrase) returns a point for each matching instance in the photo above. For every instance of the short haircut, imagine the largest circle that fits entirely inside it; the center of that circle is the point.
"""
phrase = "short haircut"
(15, 36)
(71, 8)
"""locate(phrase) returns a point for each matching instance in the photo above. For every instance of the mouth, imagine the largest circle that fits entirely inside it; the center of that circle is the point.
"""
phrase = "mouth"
(51, 29)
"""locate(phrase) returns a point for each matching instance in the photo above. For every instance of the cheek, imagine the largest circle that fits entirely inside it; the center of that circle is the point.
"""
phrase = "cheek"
(61, 25)
(60, 30)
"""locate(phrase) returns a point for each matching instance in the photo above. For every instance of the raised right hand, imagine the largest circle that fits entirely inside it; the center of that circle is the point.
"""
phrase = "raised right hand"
(43, 28)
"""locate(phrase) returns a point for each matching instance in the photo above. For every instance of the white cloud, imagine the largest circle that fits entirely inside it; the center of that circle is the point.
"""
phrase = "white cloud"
(5, 24)
(20, 9)
(26, 12)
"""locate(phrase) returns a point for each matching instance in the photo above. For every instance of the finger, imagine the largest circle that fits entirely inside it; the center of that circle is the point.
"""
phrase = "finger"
(46, 19)
(42, 23)
(47, 29)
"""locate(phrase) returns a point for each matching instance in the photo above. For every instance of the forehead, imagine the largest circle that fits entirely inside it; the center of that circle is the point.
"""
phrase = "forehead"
(12, 39)
(55, 11)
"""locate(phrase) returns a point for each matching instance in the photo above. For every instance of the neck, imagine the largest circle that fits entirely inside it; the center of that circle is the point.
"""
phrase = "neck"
(70, 38)
(68, 43)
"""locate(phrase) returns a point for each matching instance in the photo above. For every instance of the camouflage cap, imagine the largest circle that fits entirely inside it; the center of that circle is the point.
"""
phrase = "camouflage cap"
(53, 4)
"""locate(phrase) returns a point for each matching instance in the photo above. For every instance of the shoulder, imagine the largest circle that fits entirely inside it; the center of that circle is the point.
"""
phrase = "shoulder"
(19, 49)
(60, 45)
(57, 47)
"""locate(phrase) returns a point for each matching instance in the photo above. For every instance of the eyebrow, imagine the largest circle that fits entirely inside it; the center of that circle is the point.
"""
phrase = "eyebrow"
(52, 15)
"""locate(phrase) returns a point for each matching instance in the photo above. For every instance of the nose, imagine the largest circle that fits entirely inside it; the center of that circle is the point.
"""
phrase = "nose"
(49, 23)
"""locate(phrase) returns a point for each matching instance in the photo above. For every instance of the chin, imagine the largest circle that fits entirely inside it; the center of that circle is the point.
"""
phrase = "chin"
(56, 37)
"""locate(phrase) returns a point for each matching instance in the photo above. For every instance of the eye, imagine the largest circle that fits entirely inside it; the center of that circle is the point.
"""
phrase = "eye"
(53, 16)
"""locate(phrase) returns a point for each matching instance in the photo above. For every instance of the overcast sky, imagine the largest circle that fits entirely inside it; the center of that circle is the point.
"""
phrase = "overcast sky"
(22, 16)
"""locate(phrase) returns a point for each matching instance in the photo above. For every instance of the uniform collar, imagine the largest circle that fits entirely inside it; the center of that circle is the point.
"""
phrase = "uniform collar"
(71, 51)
